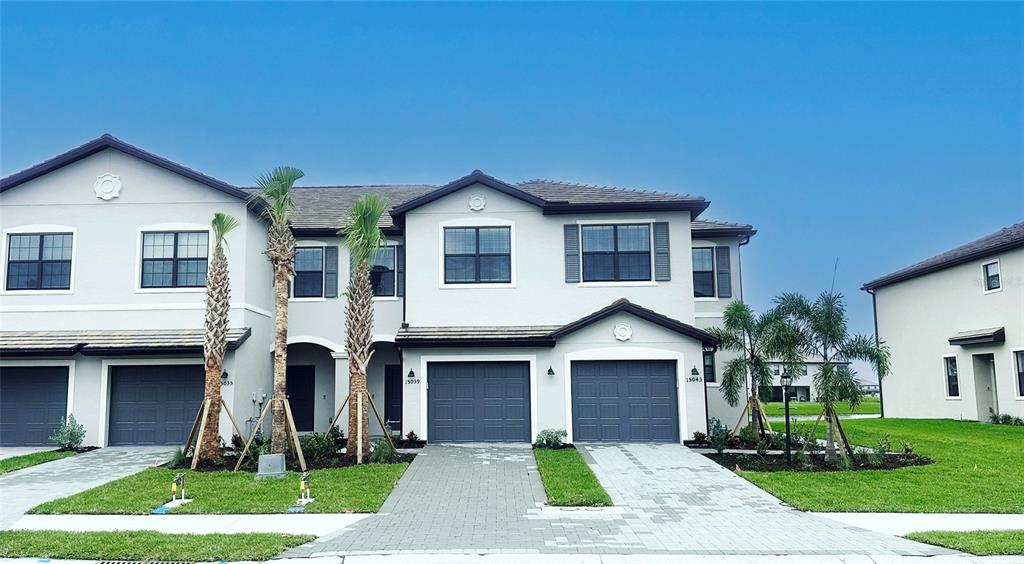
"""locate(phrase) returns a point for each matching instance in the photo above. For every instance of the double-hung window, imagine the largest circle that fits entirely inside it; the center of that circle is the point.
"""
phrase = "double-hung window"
(709, 367)
(175, 259)
(704, 272)
(952, 379)
(39, 261)
(1019, 358)
(309, 273)
(477, 255)
(991, 272)
(616, 253)
(382, 272)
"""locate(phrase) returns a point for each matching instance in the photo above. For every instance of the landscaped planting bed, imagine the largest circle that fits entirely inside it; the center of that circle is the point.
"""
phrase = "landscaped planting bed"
(980, 543)
(145, 545)
(977, 469)
(776, 462)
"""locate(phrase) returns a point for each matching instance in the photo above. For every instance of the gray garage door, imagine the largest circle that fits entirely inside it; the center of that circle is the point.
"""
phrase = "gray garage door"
(624, 400)
(478, 402)
(154, 405)
(32, 402)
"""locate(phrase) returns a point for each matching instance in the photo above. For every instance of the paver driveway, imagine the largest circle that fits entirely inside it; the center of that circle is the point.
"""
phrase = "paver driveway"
(488, 498)
(24, 489)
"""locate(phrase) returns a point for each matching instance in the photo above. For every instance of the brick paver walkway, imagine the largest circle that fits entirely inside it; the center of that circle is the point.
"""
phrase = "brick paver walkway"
(489, 499)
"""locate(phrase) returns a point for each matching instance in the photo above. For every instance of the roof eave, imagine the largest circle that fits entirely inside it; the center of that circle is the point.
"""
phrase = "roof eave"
(412, 342)
(695, 207)
(891, 279)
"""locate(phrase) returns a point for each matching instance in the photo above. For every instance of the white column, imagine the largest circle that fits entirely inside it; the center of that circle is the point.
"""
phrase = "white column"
(341, 387)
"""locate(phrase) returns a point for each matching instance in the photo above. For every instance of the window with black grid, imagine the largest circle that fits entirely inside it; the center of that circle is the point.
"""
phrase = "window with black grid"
(175, 259)
(39, 261)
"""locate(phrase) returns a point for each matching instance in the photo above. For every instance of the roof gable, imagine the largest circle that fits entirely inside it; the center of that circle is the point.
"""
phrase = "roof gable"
(107, 141)
(626, 306)
(475, 177)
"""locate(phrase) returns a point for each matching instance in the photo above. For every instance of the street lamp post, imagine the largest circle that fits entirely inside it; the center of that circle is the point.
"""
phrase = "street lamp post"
(786, 379)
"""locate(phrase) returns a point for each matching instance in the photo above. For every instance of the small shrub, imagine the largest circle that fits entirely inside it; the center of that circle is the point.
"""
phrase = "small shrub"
(884, 445)
(844, 463)
(719, 435)
(748, 435)
(908, 449)
(69, 435)
(802, 459)
(178, 459)
(993, 417)
(412, 437)
(699, 437)
(318, 447)
(381, 452)
(1017, 421)
(763, 446)
(1005, 419)
(551, 438)
(778, 441)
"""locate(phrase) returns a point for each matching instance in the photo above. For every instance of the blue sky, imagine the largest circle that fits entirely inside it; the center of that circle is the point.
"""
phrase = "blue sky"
(877, 134)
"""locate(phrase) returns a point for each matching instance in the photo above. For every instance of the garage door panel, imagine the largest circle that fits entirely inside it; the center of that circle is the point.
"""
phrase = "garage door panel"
(496, 405)
(154, 404)
(634, 401)
(33, 401)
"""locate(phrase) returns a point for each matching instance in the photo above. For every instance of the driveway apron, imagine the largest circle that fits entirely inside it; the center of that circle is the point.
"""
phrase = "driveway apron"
(24, 489)
(668, 500)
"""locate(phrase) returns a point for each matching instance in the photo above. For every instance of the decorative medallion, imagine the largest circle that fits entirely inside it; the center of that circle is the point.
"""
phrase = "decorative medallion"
(623, 331)
(107, 186)
(477, 202)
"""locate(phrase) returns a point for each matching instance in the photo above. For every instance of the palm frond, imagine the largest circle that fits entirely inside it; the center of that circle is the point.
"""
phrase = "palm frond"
(734, 379)
(222, 224)
(275, 193)
(863, 347)
(363, 235)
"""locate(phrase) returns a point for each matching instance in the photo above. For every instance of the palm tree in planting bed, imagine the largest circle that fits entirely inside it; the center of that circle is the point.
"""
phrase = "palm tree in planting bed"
(363, 238)
(760, 339)
(822, 327)
(276, 205)
(218, 297)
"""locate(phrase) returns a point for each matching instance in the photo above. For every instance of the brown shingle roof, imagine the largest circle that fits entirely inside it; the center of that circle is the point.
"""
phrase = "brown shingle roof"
(27, 343)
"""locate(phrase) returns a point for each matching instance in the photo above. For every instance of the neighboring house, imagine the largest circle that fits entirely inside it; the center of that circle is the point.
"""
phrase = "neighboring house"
(870, 389)
(800, 389)
(523, 306)
(955, 325)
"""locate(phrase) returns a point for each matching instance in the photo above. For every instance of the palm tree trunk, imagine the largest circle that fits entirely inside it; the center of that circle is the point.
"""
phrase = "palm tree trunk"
(359, 327)
(279, 434)
(830, 439)
(218, 297)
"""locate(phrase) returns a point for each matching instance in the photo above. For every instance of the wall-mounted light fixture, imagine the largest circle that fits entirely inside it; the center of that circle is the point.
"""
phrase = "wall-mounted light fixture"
(224, 378)
(551, 371)
(695, 372)
(411, 374)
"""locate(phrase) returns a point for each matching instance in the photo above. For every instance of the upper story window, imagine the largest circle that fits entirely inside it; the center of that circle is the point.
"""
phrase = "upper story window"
(991, 272)
(616, 253)
(309, 273)
(382, 272)
(477, 255)
(709, 367)
(712, 272)
(39, 261)
(175, 259)
(952, 378)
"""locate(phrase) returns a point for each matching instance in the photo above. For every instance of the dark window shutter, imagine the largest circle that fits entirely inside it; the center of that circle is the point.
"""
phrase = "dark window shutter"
(331, 272)
(572, 253)
(400, 270)
(662, 259)
(724, 272)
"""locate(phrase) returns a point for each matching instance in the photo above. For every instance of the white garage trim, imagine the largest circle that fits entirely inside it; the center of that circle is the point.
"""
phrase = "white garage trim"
(425, 360)
(632, 353)
(105, 383)
(70, 364)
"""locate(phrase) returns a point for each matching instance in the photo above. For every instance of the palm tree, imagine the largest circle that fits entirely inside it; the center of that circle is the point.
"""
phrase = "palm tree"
(276, 205)
(363, 238)
(823, 334)
(759, 339)
(218, 295)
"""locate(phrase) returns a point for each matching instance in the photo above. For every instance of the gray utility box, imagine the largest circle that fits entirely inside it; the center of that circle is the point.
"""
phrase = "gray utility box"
(270, 466)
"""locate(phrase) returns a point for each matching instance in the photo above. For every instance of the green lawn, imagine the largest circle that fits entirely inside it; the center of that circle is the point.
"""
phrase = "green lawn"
(568, 480)
(145, 545)
(977, 469)
(980, 543)
(361, 489)
(870, 406)
(24, 461)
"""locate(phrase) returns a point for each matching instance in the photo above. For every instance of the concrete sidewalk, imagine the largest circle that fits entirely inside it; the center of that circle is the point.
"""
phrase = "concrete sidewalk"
(903, 523)
(316, 524)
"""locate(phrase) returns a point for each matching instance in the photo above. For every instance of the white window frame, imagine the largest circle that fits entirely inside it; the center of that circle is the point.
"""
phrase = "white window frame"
(44, 229)
(1013, 367)
(984, 277)
(581, 223)
(166, 227)
(704, 244)
(394, 297)
(945, 378)
(306, 244)
(475, 222)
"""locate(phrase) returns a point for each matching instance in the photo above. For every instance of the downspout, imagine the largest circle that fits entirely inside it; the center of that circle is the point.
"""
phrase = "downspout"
(874, 314)
(739, 262)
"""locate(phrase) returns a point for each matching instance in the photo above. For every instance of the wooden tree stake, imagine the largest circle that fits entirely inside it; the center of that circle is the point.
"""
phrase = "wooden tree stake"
(381, 421)
(255, 429)
(202, 428)
(334, 420)
(295, 433)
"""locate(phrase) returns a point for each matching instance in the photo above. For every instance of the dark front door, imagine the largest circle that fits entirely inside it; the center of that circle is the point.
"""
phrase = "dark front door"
(154, 405)
(624, 400)
(301, 391)
(33, 400)
(478, 401)
(393, 396)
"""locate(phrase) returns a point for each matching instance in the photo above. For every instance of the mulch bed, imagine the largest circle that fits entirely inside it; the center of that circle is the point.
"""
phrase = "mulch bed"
(251, 463)
(777, 462)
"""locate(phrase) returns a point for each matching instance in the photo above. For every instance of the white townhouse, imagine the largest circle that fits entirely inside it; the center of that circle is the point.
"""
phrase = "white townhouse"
(501, 309)
(955, 324)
